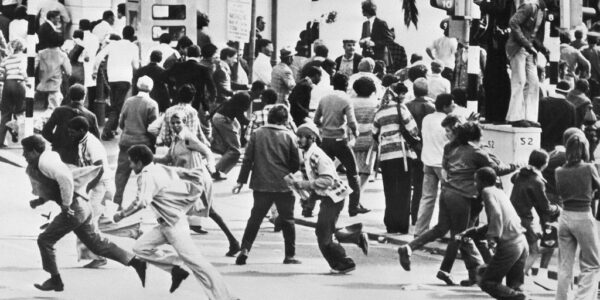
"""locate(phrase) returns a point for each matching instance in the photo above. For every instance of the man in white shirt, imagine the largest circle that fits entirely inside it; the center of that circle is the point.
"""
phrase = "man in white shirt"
(91, 152)
(261, 69)
(437, 84)
(444, 49)
(164, 47)
(103, 29)
(434, 140)
(171, 193)
(91, 44)
(123, 61)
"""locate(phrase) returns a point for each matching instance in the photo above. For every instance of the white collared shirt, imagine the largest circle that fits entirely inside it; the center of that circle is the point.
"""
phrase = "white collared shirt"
(371, 21)
(261, 69)
(123, 58)
(102, 30)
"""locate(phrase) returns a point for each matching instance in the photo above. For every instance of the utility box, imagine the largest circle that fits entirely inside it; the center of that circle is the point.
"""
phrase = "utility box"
(510, 145)
(151, 19)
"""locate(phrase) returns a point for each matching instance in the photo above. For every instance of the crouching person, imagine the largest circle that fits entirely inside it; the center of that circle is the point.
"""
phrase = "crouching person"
(504, 234)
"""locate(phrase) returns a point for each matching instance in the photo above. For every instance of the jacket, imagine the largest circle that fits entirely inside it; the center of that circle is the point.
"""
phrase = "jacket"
(529, 191)
(271, 154)
(527, 28)
(300, 100)
(191, 72)
(381, 35)
(355, 61)
(555, 116)
(46, 34)
(160, 92)
(56, 131)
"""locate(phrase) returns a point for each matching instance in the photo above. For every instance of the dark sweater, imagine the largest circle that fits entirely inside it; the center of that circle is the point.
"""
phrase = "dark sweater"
(300, 100)
(529, 190)
(575, 185)
(555, 116)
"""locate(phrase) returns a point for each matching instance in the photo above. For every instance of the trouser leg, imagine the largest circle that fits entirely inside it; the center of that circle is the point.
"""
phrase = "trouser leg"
(516, 107)
(332, 251)
(209, 277)
(5, 117)
(427, 205)
(217, 218)
(57, 229)
(262, 202)
(416, 174)
(507, 258)
(146, 248)
(285, 207)
(122, 174)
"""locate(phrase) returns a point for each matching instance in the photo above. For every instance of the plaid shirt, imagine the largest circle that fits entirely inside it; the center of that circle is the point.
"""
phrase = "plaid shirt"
(191, 121)
(259, 119)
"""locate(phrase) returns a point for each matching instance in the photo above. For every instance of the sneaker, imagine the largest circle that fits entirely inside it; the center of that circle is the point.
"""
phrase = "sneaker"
(198, 229)
(468, 282)
(290, 260)
(364, 243)
(344, 269)
(445, 277)
(14, 135)
(219, 176)
(359, 210)
(233, 249)
(404, 257)
(96, 263)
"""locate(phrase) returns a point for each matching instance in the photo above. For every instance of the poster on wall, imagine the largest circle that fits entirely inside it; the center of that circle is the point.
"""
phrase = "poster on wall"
(238, 20)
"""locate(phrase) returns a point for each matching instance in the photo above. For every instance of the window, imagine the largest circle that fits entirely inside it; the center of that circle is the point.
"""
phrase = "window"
(175, 32)
(168, 12)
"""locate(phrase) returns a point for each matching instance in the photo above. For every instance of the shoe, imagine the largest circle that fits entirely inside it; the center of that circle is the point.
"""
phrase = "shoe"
(404, 257)
(14, 135)
(219, 176)
(343, 269)
(233, 249)
(52, 284)
(177, 276)
(359, 210)
(363, 244)
(96, 263)
(291, 261)
(241, 259)
(445, 277)
(198, 229)
(140, 268)
(307, 213)
(468, 282)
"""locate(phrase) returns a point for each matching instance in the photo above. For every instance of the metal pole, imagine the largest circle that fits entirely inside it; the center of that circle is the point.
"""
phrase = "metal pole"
(274, 26)
(252, 40)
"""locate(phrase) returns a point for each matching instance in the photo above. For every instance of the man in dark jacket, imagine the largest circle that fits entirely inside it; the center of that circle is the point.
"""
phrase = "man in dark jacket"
(300, 96)
(47, 32)
(192, 72)
(56, 130)
(556, 114)
(529, 191)
(159, 92)
(375, 34)
(271, 154)
(347, 64)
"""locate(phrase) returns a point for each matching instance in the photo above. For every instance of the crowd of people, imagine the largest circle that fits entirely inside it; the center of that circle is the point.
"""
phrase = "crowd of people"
(297, 125)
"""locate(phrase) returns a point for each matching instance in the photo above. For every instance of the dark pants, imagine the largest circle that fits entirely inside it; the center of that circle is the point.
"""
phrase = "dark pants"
(448, 74)
(122, 174)
(508, 261)
(284, 201)
(333, 252)
(339, 149)
(396, 188)
(80, 223)
(496, 84)
(118, 93)
(454, 215)
(217, 218)
(416, 177)
(13, 103)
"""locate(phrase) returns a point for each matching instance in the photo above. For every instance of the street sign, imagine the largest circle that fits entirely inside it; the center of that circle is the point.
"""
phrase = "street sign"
(238, 20)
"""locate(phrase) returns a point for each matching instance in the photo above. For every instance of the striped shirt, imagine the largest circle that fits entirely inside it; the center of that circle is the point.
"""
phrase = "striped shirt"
(364, 110)
(192, 122)
(386, 126)
(14, 67)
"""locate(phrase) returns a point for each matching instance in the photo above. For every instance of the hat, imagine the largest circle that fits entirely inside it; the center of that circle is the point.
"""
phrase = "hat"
(285, 52)
(562, 88)
(145, 84)
(347, 41)
(309, 128)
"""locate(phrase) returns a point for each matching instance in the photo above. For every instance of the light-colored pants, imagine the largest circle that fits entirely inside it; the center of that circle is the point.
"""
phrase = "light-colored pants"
(524, 84)
(103, 191)
(178, 236)
(432, 176)
(578, 229)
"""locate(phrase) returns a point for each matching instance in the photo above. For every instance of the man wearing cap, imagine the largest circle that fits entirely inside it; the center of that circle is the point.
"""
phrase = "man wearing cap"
(347, 64)
(137, 113)
(556, 114)
(282, 78)
(320, 179)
